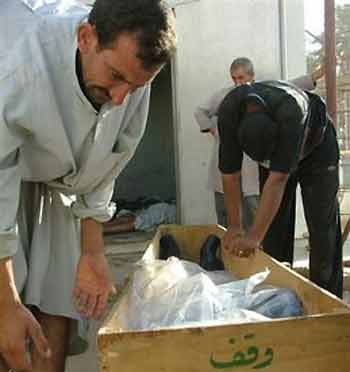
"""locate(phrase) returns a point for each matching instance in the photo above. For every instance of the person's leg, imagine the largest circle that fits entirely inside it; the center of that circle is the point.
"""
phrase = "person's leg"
(56, 329)
(249, 206)
(319, 192)
(263, 174)
(279, 239)
(319, 179)
(221, 214)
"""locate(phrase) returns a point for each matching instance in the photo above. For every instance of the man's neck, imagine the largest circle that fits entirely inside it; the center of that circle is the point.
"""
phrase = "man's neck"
(79, 72)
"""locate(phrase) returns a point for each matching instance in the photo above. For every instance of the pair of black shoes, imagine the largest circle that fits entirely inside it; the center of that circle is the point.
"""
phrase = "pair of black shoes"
(208, 260)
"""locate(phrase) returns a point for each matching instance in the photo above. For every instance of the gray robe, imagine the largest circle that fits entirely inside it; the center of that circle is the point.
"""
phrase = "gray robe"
(58, 159)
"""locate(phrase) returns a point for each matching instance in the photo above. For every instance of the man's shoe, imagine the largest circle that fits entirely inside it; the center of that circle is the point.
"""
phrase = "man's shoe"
(208, 259)
(168, 247)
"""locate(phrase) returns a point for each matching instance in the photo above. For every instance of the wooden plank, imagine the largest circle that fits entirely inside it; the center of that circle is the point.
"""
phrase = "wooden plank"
(319, 344)
(345, 228)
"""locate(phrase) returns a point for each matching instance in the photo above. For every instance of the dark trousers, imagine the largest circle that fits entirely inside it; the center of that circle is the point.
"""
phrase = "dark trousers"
(221, 213)
(319, 182)
(249, 207)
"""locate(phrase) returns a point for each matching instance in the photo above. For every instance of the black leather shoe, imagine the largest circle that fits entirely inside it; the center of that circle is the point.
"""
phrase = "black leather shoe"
(168, 247)
(208, 260)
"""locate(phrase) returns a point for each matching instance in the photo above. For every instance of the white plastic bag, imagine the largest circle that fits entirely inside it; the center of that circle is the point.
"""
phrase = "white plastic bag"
(174, 292)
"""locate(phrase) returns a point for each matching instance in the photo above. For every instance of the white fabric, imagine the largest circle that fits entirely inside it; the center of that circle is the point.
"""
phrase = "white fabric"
(304, 82)
(15, 18)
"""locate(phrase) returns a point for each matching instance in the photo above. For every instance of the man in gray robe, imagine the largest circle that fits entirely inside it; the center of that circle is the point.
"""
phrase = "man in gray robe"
(74, 100)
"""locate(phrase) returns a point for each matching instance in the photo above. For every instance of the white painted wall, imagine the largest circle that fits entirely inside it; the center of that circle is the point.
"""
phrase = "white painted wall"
(294, 37)
(295, 66)
(211, 34)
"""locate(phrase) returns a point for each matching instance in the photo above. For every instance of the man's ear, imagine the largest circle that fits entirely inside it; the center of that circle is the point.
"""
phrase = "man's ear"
(87, 37)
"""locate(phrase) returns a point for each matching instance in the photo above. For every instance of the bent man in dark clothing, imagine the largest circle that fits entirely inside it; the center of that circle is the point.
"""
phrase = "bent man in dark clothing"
(290, 134)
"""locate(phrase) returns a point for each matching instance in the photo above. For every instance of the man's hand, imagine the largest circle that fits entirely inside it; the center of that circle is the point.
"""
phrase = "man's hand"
(93, 282)
(17, 324)
(93, 285)
(212, 131)
(232, 234)
(239, 244)
(17, 327)
(245, 247)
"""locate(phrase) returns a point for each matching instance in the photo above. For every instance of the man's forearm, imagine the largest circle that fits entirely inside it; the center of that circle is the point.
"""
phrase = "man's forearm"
(8, 292)
(91, 236)
(232, 195)
(203, 119)
(269, 204)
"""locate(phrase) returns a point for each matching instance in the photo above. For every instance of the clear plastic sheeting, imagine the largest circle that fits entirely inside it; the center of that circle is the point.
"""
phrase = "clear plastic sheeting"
(54, 6)
(35, 4)
(173, 292)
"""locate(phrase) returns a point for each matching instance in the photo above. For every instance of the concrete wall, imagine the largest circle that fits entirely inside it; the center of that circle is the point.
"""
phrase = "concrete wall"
(293, 37)
(210, 35)
(293, 42)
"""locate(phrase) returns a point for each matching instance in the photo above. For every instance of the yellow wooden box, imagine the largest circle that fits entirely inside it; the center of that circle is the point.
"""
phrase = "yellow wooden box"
(316, 342)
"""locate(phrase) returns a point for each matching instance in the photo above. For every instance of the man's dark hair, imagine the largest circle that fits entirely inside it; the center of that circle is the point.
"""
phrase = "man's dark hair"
(152, 21)
(257, 135)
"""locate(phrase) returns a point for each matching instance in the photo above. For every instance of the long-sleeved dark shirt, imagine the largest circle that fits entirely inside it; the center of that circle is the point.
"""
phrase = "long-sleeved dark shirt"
(301, 118)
